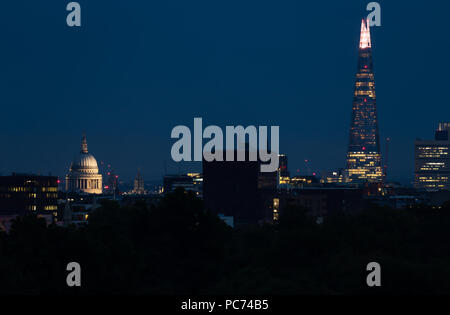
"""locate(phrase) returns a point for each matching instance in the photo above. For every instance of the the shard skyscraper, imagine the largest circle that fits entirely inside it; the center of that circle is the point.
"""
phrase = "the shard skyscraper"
(363, 156)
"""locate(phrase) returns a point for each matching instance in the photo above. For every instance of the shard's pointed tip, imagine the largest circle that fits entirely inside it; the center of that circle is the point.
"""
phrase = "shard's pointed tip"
(364, 41)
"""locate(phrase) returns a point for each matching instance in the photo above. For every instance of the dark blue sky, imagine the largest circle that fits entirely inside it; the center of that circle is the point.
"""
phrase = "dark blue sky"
(136, 69)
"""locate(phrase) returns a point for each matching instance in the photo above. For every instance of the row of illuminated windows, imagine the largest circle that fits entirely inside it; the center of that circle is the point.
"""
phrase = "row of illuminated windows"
(364, 75)
(433, 179)
(19, 189)
(31, 195)
(340, 179)
(48, 195)
(433, 186)
(424, 168)
(46, 208)
(432, 150)
(369, 93)
(434, 156)
(364, 170)
(26, 189)
(429, 148)
(368, 84)
(363, 154)
(361, 170)
(432, 166)
(50, 189)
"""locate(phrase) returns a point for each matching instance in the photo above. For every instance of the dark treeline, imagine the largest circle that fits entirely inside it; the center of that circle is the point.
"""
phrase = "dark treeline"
(178, 248)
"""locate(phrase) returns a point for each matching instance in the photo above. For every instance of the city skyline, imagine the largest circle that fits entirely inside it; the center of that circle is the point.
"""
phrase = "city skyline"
(141, 84)
(224, 155)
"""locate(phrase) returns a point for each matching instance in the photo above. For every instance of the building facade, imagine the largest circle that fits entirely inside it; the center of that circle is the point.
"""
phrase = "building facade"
(363, 156)
(22, 194)
(83, 176)
(432, 161)
(240, 190)
(139, 187)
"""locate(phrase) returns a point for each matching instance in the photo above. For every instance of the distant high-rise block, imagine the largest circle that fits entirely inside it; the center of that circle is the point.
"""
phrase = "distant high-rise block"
(139, 187)
(364, 157)
(432, 161)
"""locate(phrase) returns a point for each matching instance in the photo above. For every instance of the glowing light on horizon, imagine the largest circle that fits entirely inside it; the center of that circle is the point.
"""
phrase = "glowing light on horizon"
(364, 41)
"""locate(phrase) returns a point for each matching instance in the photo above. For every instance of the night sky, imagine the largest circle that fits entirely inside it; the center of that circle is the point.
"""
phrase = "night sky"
(136, 69)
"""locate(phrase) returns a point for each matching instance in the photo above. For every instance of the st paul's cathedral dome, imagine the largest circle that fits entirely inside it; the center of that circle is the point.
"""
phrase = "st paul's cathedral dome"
(83, 176)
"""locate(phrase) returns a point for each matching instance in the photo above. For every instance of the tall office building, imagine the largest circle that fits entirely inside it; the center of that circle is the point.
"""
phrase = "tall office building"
(432, 161)
(240, 190)
(364, 157)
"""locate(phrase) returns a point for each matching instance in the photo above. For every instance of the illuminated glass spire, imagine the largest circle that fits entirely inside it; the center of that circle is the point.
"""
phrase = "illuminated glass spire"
(363, 157)
(364, 41)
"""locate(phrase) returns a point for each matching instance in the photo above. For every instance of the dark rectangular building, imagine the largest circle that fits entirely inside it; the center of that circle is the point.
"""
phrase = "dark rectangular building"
(21, 194)
(239, 189)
